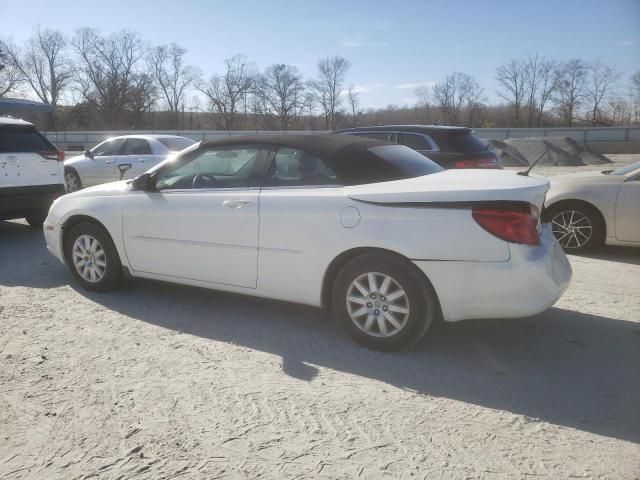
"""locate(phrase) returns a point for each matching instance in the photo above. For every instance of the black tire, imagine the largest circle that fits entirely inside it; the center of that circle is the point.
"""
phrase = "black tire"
(421, 302)
(72, 182)
(112, 271)
(590, 225)
(36, 219)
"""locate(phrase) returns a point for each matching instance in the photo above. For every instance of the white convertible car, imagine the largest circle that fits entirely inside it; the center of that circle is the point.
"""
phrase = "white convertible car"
(589, 209)
(120, 157)
(377, 232)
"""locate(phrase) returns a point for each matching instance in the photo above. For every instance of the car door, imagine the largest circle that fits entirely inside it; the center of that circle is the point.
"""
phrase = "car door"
(100, 166)
(201, 222)
(627, 222)
(134, 158)
(302, 210)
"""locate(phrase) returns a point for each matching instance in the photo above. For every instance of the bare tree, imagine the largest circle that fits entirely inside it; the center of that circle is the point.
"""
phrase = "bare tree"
(572, 77)
(10, 76)
(423, 94)
(454, 92)
(44, 64)
(282, 90)
(600, 83)
(635, 95)
(328, 86)
(512, 78)
(107, 75)
(227, 91)
(353, 98)
(171, 76)
(540, 81)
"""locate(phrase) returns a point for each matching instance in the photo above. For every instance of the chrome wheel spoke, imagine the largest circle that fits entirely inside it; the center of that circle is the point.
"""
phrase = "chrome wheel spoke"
(383, 309)
(89, 258)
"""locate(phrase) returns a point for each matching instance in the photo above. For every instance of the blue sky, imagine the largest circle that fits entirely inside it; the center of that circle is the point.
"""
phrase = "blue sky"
(393, 45)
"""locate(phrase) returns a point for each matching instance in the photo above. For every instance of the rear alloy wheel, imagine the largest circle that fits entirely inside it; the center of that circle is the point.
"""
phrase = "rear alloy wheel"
(92, 257)
(382, 302)
(576, 227)
(72, 181)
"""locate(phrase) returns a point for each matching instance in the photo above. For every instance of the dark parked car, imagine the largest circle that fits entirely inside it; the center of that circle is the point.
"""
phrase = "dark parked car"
(451, 147)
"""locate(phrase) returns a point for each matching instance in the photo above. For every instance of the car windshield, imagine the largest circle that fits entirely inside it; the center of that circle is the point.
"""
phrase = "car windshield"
(626, 169)
(176, 144)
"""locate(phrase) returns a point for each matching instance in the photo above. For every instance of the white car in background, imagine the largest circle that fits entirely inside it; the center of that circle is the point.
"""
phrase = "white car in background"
(120, 158)
(31, 172)
(587, 210)
(376, 231)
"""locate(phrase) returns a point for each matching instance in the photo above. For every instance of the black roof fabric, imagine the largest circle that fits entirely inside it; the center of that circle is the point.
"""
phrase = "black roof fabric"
(325, 146)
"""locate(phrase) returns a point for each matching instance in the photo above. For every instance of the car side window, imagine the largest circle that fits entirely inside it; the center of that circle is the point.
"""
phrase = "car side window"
(135, 146)
(292, 167)
(110, 147)
(414, 141)
(221, 167)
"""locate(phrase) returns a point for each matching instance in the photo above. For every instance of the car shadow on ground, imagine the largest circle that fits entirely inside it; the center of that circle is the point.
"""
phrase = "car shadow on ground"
(564, 367)
(567, 368)
(611, 253)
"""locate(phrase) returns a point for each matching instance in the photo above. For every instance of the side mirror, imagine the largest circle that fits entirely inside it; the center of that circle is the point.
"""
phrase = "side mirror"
(88, 154)
(143, 183)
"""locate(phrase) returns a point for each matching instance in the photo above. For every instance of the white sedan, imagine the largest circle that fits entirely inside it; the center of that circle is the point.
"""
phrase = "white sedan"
(120, 157)
(587, 210)
(377, 232)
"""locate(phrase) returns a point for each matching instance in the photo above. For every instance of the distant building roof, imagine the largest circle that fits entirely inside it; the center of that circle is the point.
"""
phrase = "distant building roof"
(23, 105)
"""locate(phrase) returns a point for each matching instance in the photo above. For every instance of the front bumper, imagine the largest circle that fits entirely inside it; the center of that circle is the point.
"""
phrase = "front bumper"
(532, 280)
(53, 237)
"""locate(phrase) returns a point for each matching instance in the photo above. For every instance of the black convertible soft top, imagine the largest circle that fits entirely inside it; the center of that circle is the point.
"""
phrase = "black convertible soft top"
(355, 160)
(325, 146)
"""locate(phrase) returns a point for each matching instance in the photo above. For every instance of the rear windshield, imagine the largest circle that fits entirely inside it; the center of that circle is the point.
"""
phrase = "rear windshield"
(408, 161)
(467, 143)
(176, 144)
(19, 139)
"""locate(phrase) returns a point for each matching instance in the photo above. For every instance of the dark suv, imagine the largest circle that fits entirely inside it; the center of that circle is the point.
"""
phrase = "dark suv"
(451, 147)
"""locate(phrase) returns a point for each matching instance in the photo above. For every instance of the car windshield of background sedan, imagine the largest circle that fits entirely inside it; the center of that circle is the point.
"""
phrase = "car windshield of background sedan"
(176, 144)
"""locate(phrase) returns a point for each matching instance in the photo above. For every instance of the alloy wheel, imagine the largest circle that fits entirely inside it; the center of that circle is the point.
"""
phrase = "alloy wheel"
(89, 258)
(377, 304)
(71, 182)
(572, 228)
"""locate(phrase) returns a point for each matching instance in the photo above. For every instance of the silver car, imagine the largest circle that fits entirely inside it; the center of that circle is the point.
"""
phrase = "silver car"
(120, 158)
(587, 210)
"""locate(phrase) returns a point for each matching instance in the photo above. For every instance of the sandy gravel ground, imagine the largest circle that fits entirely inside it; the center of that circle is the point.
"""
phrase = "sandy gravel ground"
(157, 381)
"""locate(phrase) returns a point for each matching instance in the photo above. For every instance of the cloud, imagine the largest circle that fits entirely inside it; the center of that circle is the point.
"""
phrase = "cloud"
(363, 88)
(412, 86)
(357, 42)
(627, 43)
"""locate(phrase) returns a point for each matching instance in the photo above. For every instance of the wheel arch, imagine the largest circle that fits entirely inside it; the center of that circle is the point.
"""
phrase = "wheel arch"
(74, 220)
(343, 258)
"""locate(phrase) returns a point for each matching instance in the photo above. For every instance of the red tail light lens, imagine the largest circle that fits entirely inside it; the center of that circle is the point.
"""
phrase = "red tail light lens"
(511, 225)
(53, 155)
(478, 163)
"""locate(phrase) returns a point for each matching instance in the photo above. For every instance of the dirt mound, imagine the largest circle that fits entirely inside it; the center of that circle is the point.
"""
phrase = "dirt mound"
(558, 151)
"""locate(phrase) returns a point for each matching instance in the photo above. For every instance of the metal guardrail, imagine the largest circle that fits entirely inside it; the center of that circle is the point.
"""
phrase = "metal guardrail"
(581, 135)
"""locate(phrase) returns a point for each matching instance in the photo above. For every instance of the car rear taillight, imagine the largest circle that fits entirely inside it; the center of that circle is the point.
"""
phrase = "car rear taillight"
(487, 162)
(53, 155)
(516, 226)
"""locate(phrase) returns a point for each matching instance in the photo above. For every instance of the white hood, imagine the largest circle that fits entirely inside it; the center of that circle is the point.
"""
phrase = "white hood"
(456, 186)
(103, 190)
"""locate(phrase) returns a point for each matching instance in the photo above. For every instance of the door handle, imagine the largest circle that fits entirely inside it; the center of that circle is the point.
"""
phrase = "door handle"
(236, 204)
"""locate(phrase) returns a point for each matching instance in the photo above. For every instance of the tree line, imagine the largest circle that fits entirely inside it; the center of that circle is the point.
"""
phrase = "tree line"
(119, 81)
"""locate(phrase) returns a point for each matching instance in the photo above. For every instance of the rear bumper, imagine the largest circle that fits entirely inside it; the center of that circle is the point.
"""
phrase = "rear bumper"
(17, 202)
(532, 280)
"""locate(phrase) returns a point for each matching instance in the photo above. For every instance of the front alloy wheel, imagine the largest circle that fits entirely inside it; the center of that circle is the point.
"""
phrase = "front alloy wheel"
(92, 257)
(72, 181)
